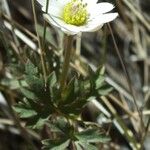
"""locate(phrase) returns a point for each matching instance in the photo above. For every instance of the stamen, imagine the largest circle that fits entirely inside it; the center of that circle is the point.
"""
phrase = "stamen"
(75, 13)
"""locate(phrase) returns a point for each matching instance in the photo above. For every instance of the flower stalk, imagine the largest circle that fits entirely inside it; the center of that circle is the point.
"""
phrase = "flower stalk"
(67, 57)
(39, 42)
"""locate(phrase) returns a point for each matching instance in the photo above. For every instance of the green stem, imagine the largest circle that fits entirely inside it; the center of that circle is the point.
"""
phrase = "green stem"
(39, 42)
(67, 57)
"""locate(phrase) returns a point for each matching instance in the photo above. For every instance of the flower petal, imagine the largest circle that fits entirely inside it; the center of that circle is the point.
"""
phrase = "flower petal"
(55, 11)
(92, 28)
(96, 19)
(104, 18)
(98, 22)
(67, 28)
(58, 3)
(100, 8)
(53, 3)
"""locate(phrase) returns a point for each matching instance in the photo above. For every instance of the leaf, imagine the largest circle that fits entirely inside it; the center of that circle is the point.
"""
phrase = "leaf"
(91, 136)
(24, 112)
(99, 82)
(31, 69)
(13, 83)
(75, 107)
(55, 144)
(87, 146)
(68, 95)
(78, 145)
(53, 128)
(100, 70)
(34, 82)
(85, 85)
(40, 123)
(59, 125)
(52, 79)
(105, 89)
(27, 93)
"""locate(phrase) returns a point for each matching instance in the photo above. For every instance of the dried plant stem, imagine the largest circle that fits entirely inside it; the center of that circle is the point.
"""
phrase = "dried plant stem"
(45, 24)
(15, 119)
(115, 100)
(15, 39)
(128, 77)
(39, 42)
(146, 131)
(138, 14)
(19, 26)
(67, 57)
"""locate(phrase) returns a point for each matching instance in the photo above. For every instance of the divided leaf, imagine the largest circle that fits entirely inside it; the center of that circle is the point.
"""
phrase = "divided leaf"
(82, 144)
(24, 111)
(28, 94)
(55, 144)
(91, 136)
(31, 69)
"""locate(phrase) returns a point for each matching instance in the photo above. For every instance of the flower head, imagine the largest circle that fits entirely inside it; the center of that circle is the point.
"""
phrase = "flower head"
(75, 13)
(75, 16)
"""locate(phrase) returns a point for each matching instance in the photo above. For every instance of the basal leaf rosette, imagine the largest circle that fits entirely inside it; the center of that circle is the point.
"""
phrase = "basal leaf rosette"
(75, 16)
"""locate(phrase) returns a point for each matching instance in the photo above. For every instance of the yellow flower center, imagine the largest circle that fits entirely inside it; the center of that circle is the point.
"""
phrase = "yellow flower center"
(75, 13)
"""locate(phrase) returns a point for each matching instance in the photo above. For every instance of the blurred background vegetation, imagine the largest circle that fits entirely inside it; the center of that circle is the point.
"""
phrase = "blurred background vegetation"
(119, 115)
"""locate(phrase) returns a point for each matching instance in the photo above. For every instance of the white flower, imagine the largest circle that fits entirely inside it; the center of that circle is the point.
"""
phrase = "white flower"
(75, 16)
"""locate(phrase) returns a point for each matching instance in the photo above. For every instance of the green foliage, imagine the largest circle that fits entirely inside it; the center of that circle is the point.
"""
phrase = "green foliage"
(98, 83)
(55, 144)
(45, 104)
(31, 69)
(91, 136)
(67, 135)
(25, 110)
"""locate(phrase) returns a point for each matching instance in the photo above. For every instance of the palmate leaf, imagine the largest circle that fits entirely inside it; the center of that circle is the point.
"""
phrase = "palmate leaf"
(70, 93)
(98, 84)
(91, 136)
(40, 123)
(75, 107)
(75, 97)
(97, 79)
(37, 122)
(82, 144)
(35, 83)
(24, 111)
(37, 86)
(59, 125)
(31, 69)
(55, 144)
(28, 94)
